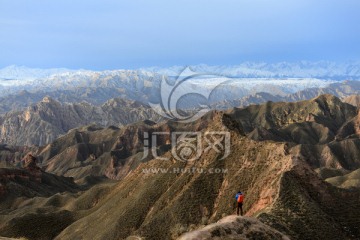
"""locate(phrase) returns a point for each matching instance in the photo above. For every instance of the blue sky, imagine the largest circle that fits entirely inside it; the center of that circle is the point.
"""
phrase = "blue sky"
(112, 34)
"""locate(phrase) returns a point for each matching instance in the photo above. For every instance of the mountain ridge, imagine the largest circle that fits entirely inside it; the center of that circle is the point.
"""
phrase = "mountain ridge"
(245, 69)
(284, 179)
(48, 119)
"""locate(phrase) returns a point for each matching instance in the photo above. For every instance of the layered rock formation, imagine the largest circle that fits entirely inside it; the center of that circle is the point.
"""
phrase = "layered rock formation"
(282, 157)
(42, 123)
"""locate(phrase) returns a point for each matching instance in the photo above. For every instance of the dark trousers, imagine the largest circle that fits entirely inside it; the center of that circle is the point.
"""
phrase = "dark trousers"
(239, 207)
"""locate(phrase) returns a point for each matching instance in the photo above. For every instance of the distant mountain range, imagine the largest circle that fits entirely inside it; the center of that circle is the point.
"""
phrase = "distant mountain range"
(21, 86)
(301, 69)
(243, 79)
(341, 89)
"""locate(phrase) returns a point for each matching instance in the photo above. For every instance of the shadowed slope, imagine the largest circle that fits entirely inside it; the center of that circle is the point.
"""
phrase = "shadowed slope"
(151, 204)
(162, 199)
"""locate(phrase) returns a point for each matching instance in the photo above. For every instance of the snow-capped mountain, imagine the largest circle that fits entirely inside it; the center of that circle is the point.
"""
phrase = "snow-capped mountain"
(302, 69)
(132, 84)
(146, 84)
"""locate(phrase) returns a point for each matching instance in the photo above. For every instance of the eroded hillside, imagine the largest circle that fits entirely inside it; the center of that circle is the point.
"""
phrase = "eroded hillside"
(281, 154)
(45, 121)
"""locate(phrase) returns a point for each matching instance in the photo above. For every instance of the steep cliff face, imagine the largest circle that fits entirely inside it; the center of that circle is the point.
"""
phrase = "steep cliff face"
(42, 123)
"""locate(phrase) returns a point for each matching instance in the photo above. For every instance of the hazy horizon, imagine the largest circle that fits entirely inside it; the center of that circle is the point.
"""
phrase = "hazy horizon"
(357, 62)
(113, 34)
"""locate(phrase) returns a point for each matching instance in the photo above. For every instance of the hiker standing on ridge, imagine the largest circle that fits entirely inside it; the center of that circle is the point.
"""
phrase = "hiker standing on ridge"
(239, 197)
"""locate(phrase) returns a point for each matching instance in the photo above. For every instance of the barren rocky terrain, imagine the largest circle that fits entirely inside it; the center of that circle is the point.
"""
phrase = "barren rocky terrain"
(45, 121)
(297, 164)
